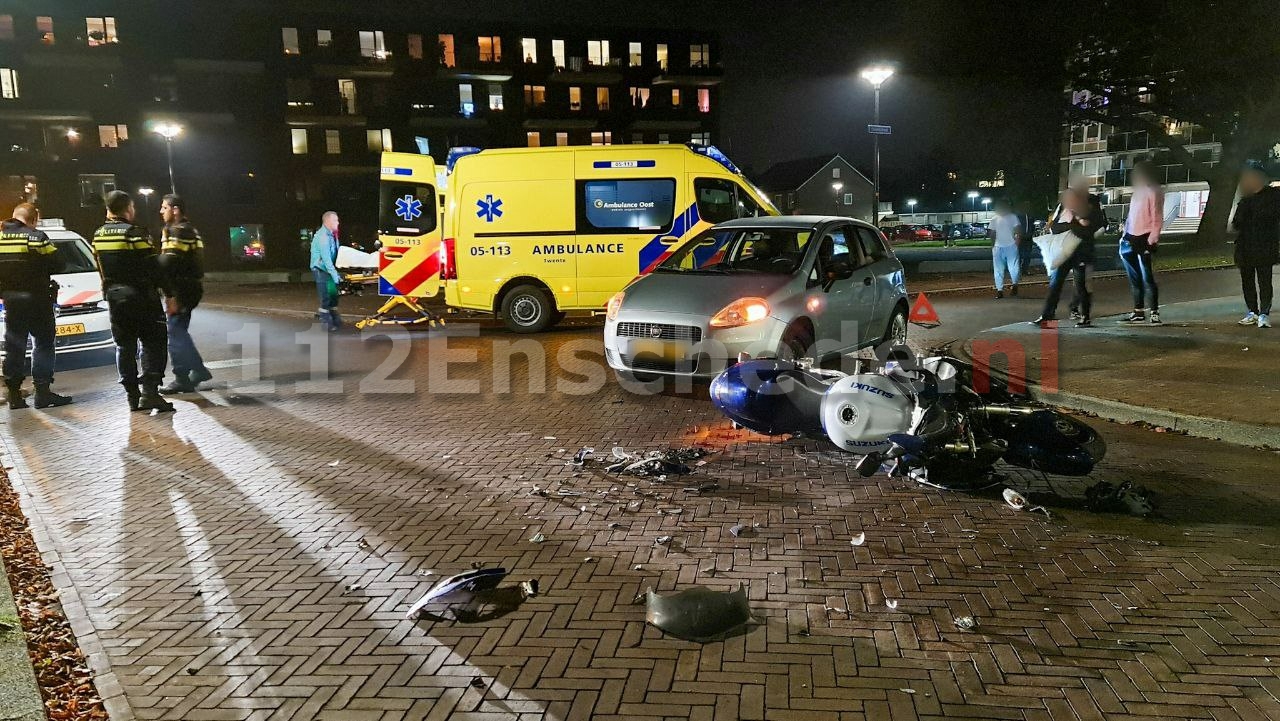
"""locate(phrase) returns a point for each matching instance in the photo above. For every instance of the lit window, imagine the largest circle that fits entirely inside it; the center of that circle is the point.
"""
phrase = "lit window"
(604, 137)
(835, 172)
(848, 198)
(635, 54)
(299, 138)
(290, 38)
(535, 96)
(415, 47)
(373, 45)
(675, 97)
(529, 49)
(110, 136)
(557, 53)
(347, 92)
(378, 140)
(699, 55)
(8, 83)
(332, 142)
(101, 31)
(447, 56)
(298, 91)
(704, 100)
(575, 98)
(6, 27)
(640, 97)
(495, 96)
(44, 27)
(602, 98)
(490, 49)
(598, 52)
(324, 38)
(637, 138)
(534, 138)
(662, 56)
(664, 139)
(702, 138)
(466, 100)
(562, 138)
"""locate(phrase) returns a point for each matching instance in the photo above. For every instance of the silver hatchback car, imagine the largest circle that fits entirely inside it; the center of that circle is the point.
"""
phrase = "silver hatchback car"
(790, 286)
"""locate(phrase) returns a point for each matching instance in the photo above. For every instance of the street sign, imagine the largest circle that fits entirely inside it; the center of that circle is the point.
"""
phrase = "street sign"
(880, 129)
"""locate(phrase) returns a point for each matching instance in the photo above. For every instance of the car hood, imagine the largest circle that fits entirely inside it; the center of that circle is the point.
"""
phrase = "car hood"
(698, 293)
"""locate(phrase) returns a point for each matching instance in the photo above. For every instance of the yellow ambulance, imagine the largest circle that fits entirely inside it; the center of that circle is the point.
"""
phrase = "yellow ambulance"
(530, 234)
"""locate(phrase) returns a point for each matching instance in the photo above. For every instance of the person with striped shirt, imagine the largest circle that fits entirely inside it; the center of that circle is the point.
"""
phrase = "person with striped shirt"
(27, 259)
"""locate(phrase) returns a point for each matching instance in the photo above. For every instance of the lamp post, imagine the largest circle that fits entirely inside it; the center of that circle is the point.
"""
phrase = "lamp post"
(169, 131)
(911, 205)
(146, 192)
(836, 186)
(986, 204)
(876, 75)
(973, 200)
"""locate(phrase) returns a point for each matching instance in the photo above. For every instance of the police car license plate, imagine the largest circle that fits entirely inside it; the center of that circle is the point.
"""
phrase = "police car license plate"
(70, 329)
(655, 348)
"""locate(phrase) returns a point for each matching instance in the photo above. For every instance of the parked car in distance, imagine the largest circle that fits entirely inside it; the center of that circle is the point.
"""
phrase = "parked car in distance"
(790, 286)
(900, 233)
(928, 232)
(978, 230)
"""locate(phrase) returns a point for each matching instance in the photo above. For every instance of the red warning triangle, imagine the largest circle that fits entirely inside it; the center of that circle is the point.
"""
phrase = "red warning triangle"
(923, 312)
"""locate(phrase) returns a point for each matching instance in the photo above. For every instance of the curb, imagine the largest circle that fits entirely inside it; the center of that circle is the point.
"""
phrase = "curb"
(19, 693)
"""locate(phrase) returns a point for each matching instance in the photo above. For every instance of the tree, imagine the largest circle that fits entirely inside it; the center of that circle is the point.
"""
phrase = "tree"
(1157, 65)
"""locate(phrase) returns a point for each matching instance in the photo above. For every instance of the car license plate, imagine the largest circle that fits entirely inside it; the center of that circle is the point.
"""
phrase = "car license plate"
(70, 329)
(655, 348)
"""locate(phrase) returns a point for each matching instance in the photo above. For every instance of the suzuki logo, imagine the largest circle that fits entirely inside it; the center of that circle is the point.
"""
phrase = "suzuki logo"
(655, 331)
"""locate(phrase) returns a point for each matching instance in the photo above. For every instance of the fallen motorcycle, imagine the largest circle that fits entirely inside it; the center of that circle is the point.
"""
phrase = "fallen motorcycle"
(922, 414)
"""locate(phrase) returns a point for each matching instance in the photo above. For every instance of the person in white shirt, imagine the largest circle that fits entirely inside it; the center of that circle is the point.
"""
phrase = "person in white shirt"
(1008, 233)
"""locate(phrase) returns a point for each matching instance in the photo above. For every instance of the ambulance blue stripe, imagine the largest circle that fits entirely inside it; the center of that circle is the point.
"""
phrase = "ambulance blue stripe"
(624, 164)
(654, 249)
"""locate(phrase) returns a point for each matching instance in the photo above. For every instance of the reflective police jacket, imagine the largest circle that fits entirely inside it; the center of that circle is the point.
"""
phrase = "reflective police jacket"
(27, 258)
(182, 258)
(127, 256)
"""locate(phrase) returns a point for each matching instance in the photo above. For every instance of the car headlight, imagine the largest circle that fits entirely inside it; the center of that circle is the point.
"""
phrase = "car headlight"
(741, 312)
(615, 305)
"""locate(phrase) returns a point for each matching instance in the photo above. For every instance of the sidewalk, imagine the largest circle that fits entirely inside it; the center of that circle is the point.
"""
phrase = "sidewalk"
(1199, 373)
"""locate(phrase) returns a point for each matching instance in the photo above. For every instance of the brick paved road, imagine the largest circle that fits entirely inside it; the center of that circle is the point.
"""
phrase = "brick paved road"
(253, 556)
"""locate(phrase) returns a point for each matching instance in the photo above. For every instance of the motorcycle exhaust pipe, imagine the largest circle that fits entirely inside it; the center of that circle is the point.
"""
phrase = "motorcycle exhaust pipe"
(1003, 411)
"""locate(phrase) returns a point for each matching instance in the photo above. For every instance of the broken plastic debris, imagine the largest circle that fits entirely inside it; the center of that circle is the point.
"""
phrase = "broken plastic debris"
(548, 438)
(459, 588)
(699, 614)
(477, 682)
(582, 455)
(670, 511)
(858, 539)
(892, 604)
(1124, 498)
(615, 525)
(703, 488)
(742, 530)
(1014, 499)
(907, 690)
(966, 623)
(537, 538)
(663, 540)
(529, 588)
(334, 463)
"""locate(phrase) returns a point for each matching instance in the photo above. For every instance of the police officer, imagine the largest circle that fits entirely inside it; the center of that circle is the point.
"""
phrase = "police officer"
(182, 259)
(132, 281)
(27, 259)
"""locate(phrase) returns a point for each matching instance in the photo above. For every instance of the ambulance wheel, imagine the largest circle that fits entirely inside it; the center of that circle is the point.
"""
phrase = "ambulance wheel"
(528, 309)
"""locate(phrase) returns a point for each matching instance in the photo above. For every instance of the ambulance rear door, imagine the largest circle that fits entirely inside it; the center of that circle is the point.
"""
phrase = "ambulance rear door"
(409, 227)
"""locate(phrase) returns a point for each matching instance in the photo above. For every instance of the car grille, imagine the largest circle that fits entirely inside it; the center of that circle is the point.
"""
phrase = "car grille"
(657, 364)
(689, 333)
(68, 310)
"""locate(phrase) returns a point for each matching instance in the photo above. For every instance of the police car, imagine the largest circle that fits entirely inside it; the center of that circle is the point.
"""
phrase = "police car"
(83, 323)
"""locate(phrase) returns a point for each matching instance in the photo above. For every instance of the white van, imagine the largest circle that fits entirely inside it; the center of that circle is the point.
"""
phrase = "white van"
(83, 321)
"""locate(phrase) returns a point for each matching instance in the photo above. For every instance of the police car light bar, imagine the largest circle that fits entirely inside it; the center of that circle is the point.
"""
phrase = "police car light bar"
(714, 153)
(51, 223)
(459, 152)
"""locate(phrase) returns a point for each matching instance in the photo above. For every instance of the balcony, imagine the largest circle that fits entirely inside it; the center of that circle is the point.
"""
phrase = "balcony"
(580, 70)
(1165, 175)
(693, 75)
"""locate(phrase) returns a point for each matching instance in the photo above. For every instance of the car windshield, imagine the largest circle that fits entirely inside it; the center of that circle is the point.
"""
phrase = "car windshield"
(74, 257)
(741, 250)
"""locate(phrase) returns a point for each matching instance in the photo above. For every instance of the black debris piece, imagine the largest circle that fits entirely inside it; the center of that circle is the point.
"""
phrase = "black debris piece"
(1104, 497)
(699, 614)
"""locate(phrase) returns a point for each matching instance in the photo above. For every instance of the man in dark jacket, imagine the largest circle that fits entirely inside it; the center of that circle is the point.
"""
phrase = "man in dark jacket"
(182, 258)
(132, 281)
(1083, 217)
(27, 259)
(1257, 220)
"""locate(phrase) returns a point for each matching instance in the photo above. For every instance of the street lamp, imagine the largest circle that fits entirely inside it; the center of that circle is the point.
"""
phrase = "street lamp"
(986, 203)
(146, 192)
(973, 199)
(836, 186)
(876, 75)
(911, 205)
(169, 131)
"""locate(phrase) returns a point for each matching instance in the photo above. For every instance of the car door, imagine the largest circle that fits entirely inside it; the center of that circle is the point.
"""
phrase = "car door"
(883, 269)
(842, 299)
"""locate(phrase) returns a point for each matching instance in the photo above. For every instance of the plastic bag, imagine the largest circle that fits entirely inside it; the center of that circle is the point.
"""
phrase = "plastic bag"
(1057, 248)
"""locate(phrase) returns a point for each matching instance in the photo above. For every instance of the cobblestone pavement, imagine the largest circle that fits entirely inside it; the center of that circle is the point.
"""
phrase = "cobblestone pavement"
(253, 556)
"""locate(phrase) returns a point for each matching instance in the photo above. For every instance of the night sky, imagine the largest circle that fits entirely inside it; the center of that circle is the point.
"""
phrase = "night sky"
(973, 93)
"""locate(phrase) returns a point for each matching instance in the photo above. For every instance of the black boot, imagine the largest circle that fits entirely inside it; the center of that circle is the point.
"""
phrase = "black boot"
(131, 392)
(46, 398)
(151, 400)
(16, 401)
(181, 384)
(198, 376)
